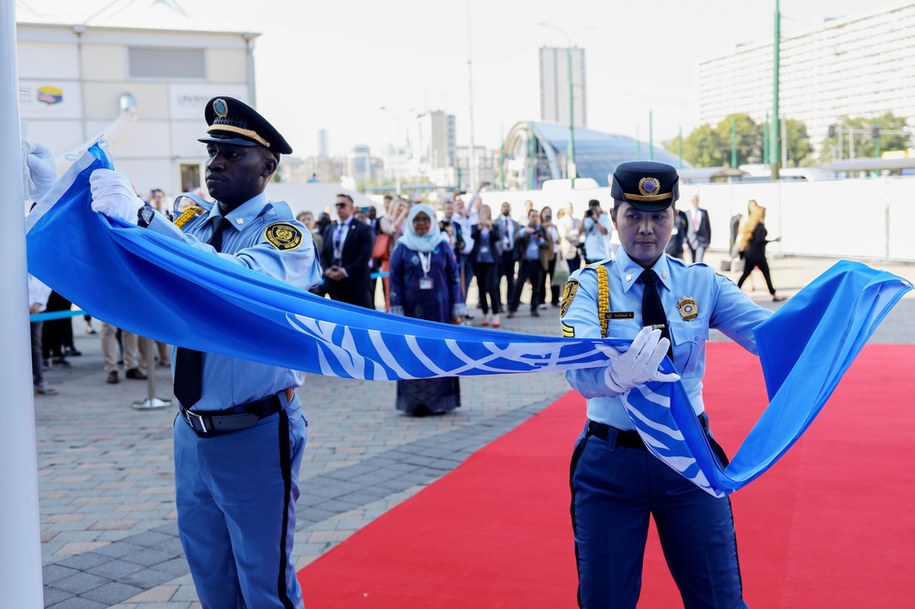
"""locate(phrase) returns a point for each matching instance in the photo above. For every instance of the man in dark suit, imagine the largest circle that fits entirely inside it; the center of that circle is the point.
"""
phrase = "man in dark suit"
(699, 231)
(345, 256)
(509, 229)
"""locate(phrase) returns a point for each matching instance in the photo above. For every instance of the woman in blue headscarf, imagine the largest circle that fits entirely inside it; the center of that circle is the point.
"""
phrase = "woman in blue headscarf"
(425, 284)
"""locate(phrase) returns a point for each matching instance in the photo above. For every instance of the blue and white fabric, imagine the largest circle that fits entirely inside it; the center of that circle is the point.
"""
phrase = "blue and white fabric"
(161, 287)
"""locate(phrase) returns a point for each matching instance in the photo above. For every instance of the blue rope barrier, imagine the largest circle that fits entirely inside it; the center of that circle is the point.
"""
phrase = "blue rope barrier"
(55, 315)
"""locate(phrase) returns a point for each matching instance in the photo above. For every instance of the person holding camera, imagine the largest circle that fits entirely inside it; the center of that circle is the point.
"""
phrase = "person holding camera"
(531, 239)
(597, 231)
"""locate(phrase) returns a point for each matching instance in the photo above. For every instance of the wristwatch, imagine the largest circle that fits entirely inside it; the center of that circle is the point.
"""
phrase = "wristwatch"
(145, 216)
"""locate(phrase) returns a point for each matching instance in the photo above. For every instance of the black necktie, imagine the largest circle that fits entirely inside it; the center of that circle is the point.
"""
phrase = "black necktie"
(188, 362)
(652, 309)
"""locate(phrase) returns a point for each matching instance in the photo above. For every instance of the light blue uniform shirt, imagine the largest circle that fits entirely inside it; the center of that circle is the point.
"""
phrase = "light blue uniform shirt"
(719, 302)
(229, 381)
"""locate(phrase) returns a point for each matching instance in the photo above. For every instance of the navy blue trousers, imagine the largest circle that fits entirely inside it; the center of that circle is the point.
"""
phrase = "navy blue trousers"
(614, 491)
(236, 495)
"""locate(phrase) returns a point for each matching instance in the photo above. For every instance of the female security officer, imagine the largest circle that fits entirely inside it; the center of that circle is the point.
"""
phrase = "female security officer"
(664, 307)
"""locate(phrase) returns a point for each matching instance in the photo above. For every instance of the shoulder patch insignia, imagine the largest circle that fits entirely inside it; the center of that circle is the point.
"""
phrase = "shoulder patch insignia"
(567, 331)
(283, 236)
(187, 215)
(568, 293)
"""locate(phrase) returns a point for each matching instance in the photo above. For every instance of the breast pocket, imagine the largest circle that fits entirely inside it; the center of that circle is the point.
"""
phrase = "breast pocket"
(689, 338)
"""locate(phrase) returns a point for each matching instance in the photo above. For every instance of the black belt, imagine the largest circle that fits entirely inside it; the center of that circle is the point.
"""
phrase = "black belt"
(624, 437)
(244, 416)
(632, 439)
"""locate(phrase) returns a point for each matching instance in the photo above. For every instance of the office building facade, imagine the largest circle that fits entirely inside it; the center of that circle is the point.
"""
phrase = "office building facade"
(860, 66)
(554, 85)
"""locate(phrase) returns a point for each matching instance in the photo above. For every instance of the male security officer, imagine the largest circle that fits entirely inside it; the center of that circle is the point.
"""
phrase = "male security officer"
(665, 308)
(241, 431)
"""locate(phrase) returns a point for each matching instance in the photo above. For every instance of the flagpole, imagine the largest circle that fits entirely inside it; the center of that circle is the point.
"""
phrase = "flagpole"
(20, 532)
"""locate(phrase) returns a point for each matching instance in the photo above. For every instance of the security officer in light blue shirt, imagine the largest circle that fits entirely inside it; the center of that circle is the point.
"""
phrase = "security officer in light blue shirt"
(665, 308)
(241, 431)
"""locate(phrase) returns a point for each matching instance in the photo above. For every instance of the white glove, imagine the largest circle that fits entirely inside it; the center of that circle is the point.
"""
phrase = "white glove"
(113, 195)
(41, 169)
(638, 364)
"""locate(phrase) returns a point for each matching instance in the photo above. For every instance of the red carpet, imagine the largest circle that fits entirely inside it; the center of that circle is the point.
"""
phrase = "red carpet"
(830, 526)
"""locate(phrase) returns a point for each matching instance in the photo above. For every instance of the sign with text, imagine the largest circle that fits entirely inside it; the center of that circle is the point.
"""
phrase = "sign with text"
(49, 99)
(187, 101)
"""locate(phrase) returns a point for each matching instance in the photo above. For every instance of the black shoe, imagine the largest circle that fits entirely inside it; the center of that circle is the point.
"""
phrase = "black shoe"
(43, 389)
(777, 298)
(511, 315)
(136, 374)
(72, 352)
(60, 362)
(535, 313)
(113, 378)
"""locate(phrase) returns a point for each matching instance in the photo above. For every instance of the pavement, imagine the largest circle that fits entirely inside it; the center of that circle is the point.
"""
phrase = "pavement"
(106, 480)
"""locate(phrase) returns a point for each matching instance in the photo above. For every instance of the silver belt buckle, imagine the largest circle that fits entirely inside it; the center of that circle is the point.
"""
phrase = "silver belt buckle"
(191, 416)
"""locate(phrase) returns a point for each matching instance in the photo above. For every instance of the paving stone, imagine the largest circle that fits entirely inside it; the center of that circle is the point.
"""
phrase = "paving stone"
(112, 592)
(80, 583)
(76, 602)
(53, 595)
(149, 557)
(114, 569)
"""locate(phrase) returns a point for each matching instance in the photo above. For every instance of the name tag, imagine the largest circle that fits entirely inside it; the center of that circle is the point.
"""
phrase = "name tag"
(484, 250)
(621, 315)
(426, 283)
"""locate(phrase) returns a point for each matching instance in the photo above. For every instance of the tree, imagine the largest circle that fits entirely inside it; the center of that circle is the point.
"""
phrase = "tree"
(710, 146)
(799, 146)
(858, 133)
(747, 139)
(703, 147)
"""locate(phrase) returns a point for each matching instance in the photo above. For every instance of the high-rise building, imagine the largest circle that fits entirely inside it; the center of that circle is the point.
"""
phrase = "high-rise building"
(554, 85)
(862, 65)
(359, 163)
(431, 140)
(322, 143)
(431, 147)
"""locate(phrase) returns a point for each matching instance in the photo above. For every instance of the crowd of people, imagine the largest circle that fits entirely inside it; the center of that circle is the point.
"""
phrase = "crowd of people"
(499, 253)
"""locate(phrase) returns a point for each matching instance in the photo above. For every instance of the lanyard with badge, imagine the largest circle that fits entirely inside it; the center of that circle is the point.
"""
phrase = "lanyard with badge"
(425, 260)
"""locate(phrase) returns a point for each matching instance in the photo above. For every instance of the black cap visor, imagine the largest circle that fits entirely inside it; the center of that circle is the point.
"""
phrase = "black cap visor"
(232, 140)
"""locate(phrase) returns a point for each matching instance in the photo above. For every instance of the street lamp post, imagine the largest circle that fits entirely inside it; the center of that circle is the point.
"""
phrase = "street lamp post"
(570, 167)
(776, 118)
